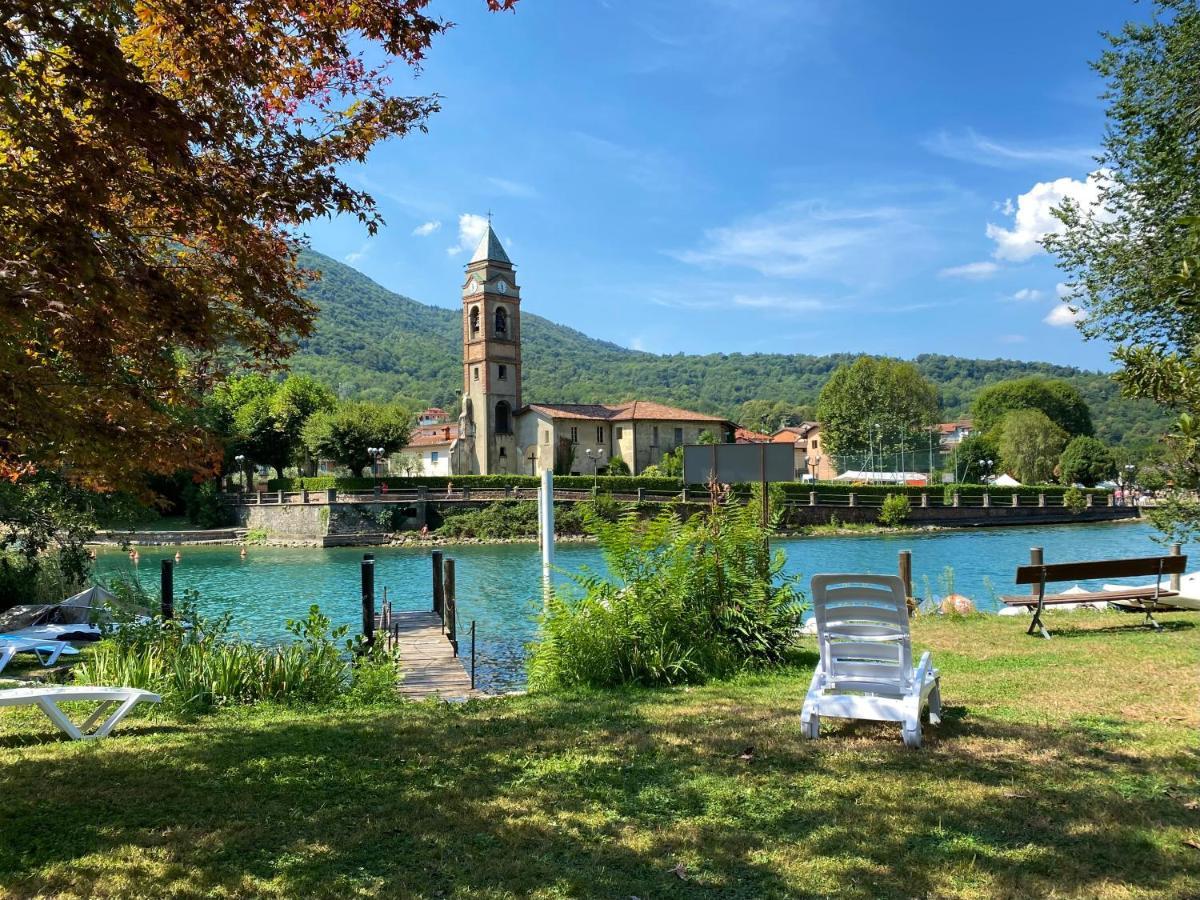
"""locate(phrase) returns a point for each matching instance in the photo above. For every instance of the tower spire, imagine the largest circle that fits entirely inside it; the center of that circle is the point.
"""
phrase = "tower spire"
(490, 248)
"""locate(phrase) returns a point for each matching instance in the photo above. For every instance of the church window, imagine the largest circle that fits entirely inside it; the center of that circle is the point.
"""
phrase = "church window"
(503, 452)
(620, 432)
(502, 372)
(654, 437)
(475, 373)
(678, 436)
(501, 320)
(599, 434)
(503, 418)
(574, 435)
(546, 436)
(474, 320)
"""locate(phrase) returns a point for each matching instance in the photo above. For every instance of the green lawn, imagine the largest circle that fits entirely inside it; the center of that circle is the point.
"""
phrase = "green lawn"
(1064, 768)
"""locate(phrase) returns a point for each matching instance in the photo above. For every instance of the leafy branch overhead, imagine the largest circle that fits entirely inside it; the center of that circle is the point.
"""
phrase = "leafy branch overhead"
(156, 160)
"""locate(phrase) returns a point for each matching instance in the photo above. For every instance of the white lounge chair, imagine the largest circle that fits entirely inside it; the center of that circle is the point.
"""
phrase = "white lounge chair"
(48, 698)
(47, 652)
(866, 669)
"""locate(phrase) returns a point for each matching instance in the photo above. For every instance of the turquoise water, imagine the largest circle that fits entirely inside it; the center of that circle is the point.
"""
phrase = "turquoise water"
(498, 586)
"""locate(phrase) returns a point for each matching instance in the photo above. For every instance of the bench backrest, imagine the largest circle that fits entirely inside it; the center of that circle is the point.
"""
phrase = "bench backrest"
(862, 627)
(1102, 568)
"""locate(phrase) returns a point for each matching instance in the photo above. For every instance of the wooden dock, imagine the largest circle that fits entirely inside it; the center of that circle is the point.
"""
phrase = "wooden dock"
(430, 667)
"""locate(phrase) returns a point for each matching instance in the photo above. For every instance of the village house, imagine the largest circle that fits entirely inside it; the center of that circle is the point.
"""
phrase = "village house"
(951, 434)
(498, 434)
(811, 461)
(430, 444)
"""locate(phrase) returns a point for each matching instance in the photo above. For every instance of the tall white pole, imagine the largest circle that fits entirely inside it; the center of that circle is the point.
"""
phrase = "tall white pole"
(546, 501)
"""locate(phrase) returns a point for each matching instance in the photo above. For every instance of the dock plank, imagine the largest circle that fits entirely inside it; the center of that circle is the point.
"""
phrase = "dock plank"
(427, 657)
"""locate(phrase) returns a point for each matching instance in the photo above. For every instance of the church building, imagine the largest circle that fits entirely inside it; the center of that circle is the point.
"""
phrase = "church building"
(498, 434)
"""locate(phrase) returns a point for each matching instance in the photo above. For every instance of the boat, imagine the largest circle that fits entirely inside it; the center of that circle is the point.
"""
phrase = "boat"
(81, 617)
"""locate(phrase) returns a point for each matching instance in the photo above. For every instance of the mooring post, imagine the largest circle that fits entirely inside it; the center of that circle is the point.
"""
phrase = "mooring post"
(439, 595)
(1035, 559)
(168, 588)
(449, 625)
(472, 654)
(906, 572)
(1176, 580)
(368, 598)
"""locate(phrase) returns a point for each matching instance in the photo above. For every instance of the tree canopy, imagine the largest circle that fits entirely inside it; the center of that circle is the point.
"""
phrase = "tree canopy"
(875, 402)
(345, 432)
(1060, 401)
(1030, 445)
(156, 166)
(1087, 461)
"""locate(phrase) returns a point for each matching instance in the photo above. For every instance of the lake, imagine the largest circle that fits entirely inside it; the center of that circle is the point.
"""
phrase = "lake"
(498, 585)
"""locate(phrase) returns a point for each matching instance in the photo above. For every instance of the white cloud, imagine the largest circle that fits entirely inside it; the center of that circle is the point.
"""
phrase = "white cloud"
(1063, 315)
(427, 228)
(513, 188)
(358, 255)
(1027, 294)
(1034, 219)
(975, 270)
(814, 240)
(1062, 290)
(969, 145)
(471, 229)
(777, 302)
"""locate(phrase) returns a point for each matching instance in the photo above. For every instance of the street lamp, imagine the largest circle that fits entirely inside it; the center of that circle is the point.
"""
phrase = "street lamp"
(814, 463)
(987, 468)
(595, 456)
(375, 452)
(240, 459)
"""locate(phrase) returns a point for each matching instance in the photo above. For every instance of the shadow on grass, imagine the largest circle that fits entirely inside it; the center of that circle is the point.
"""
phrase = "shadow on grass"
(594, 795)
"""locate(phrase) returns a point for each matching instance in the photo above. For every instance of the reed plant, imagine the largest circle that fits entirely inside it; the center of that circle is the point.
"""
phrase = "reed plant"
(197, 665)
(681, 601)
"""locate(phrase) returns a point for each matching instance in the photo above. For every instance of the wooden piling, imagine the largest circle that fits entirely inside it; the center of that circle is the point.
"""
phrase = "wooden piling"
(168, 588)
(439, 595)
(1176, 580)
(368, 598)
(450, 616)
(906, 572)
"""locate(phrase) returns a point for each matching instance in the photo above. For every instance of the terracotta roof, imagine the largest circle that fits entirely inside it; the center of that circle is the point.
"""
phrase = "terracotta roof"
(746, 436)
(791, 433)
(434, 411)
(623, 412)
(951, 427)
(432, 436)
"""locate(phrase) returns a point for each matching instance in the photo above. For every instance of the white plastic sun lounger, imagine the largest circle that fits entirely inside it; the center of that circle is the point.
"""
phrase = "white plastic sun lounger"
(48, 698)
(866, 669)
(47, 652)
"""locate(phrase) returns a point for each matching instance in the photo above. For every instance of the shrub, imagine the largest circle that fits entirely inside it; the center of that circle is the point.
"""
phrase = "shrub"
(683, 601)
(895, 510)
(202, 503)
(1074, 499)
(197, 666)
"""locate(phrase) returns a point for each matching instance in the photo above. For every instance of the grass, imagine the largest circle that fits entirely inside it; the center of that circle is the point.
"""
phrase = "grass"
(1064, 768)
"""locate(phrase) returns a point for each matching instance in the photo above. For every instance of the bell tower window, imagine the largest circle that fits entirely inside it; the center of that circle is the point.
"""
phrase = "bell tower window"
(503, 418)
(502, 372)
(474, 320)
(501, 320)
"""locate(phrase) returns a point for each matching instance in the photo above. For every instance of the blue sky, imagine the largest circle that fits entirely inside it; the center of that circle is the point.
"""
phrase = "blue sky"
(753, 175)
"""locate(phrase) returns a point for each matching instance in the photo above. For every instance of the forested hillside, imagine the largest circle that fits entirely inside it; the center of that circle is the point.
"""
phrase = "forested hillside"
(375, 344)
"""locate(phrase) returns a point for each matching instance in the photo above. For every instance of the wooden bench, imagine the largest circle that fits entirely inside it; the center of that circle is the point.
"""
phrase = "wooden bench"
(1148, 598)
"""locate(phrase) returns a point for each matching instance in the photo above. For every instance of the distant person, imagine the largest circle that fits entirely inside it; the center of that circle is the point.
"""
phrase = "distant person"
(424, 532)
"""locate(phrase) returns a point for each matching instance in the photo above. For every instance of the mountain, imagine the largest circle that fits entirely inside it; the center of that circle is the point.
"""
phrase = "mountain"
(372, 343)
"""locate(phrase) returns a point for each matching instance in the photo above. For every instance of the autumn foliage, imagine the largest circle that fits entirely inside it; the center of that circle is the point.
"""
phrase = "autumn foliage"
(156, 162)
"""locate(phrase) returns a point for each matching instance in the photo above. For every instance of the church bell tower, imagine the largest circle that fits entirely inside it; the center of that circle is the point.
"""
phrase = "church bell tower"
(491, 362)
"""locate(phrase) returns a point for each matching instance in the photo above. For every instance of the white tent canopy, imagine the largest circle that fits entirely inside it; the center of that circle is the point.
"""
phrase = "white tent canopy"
(1005, 480)
(883, 477)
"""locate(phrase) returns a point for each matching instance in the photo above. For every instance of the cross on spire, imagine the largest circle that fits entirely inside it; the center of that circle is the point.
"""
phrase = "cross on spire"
(489, 217)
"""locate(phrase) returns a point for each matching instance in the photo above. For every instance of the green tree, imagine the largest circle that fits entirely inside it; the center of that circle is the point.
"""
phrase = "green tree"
(875, 402)
(297, 399)
(1030, 445)
(344, 433)
(1087, 461)
(769, 416)
(1060, 401)
(969, 460)
(670, 466)
(618, 466)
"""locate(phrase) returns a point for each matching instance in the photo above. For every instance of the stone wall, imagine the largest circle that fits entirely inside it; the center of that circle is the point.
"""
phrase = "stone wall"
(329, 524)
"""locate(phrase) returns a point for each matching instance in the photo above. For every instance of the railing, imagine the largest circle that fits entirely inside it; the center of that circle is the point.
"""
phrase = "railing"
(850, 499)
